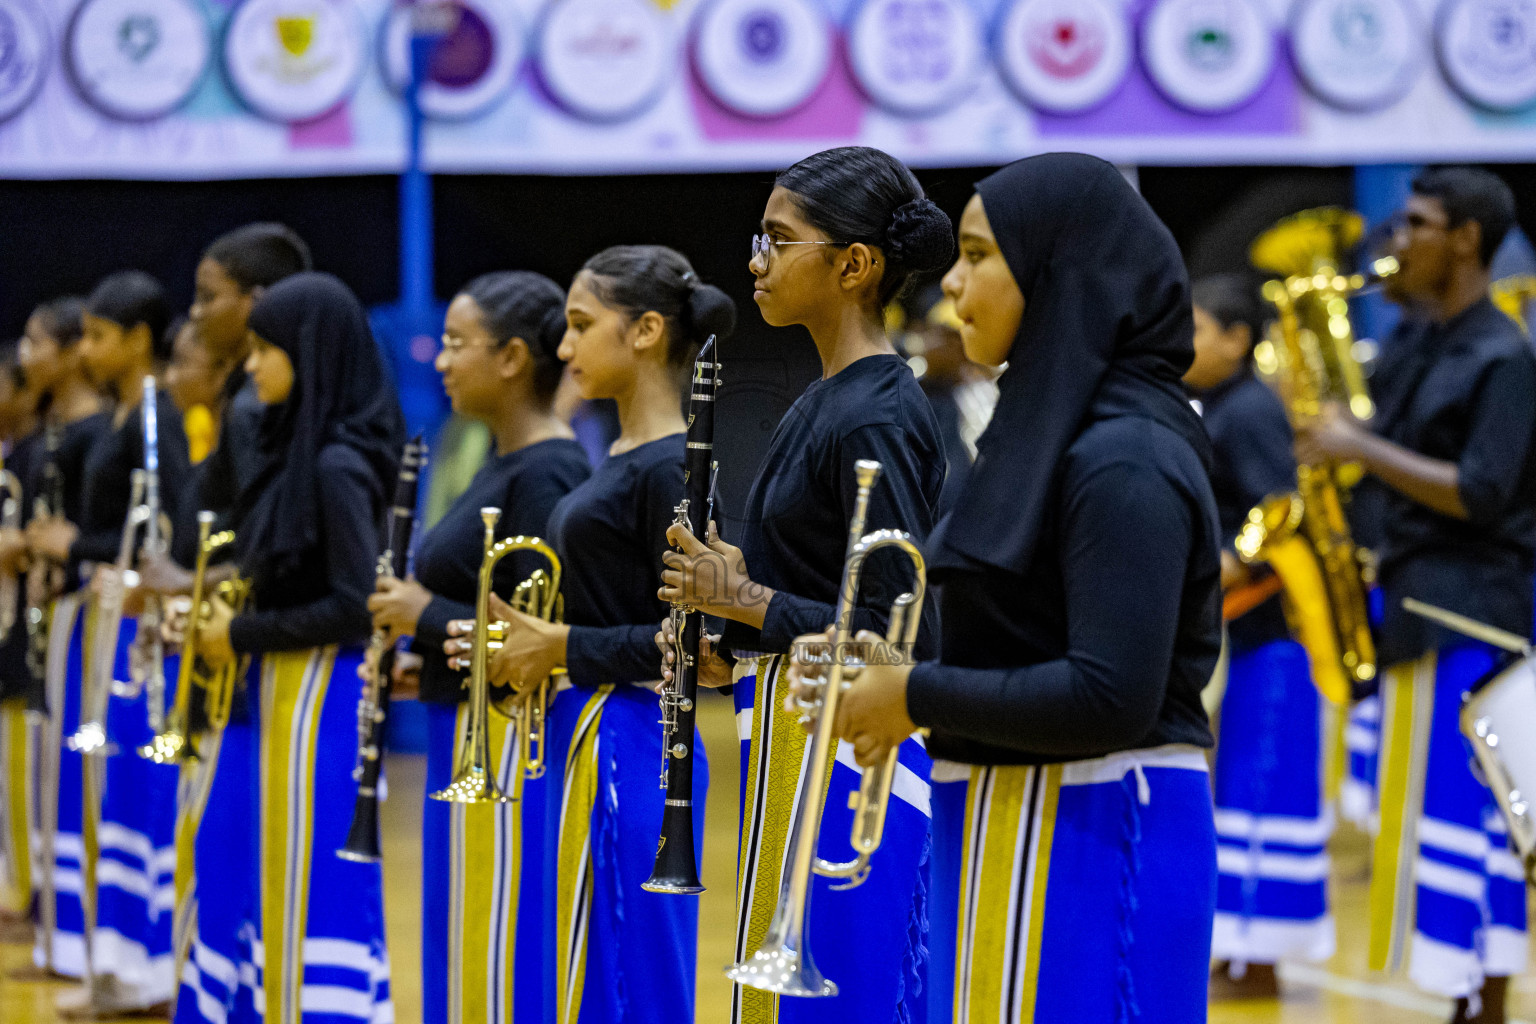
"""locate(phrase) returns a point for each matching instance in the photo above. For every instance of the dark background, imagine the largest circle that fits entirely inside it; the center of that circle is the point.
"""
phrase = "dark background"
(63, 236)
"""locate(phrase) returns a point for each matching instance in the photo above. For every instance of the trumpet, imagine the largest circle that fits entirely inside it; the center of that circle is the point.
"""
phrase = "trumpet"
(176, 742)
(474, 782)
(112, 584)
(783, 963)
(147, 659)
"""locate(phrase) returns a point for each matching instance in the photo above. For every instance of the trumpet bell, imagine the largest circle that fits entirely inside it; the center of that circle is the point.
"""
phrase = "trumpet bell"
(472, 786)
(783, 970)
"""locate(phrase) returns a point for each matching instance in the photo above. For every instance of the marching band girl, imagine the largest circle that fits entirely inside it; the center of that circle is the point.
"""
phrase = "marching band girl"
(73, 418)
(486, 907)
(844, 231)
(1074, 855)
(129, 804)
(635, 316)
(305, 924)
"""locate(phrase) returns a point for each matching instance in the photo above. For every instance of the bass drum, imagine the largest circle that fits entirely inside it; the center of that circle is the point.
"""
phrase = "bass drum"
(1499, 721)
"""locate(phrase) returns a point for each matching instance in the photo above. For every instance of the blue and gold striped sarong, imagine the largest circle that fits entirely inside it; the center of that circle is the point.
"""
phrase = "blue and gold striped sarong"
(17, 779)
(62, 860)
(868, 940)
(621, 954)
(1072, 892)
(484, 885)
(1447, 893)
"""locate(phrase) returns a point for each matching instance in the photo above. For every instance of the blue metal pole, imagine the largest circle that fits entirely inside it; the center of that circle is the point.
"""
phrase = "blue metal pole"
(1380, 191)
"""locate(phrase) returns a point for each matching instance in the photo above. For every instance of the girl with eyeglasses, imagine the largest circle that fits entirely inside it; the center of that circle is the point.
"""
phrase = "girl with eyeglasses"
(844, 233)
(635, 318)
(483, 866)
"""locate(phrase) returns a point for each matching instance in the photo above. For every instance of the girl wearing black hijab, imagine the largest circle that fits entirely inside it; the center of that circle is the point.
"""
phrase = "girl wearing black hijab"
(308, 530)
(1073, 845)
(844, 232)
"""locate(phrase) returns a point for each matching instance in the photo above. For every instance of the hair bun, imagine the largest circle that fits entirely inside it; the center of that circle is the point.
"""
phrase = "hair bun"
(920, 237)
(711, 311)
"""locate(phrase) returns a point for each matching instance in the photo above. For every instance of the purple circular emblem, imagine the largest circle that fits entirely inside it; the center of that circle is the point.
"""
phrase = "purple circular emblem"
(762, 36)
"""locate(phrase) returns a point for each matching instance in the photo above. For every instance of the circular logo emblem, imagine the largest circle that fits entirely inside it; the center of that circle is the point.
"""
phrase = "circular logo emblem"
(137, 59)
(1357, 54)
(916, 56)
(762, 58)
(1488, 51)
(294, 60)
(605, 60)
(24, 49)
(1064, 56)
(474, 62)
(1208, 56)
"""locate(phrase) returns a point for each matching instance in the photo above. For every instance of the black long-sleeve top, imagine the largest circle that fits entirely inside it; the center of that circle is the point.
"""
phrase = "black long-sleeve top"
(75, 442)
(108, 469)
(15, 678)
(1465, 392)
(1251, 446)
(610, 533)
(1103, 642)
(526, 485)
(325, 600)
(794, 533)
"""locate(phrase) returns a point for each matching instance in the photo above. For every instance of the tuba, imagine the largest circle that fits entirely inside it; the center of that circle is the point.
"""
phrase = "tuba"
(474, 781)
(176, 741)
(112, 587)
(783, 963)
(1304, 535)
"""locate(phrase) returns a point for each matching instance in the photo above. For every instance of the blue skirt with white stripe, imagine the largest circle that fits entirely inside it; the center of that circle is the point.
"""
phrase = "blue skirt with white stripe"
(65, 670)
(1272, 823)
(135, 888)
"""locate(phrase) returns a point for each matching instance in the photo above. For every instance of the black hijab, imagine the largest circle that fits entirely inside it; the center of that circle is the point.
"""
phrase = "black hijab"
(1107, 331)
(341, 395)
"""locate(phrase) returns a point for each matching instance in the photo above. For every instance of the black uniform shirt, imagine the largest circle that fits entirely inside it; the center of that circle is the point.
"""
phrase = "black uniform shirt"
(1463, 392)
(1104, 642)
(1251, 444)
(325, 600)
(15, 678)
(610, 534)
(526, 485)
(794, 534)
(108, 469)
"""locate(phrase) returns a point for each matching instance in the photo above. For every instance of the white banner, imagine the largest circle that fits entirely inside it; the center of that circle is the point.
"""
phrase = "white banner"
(240, 88)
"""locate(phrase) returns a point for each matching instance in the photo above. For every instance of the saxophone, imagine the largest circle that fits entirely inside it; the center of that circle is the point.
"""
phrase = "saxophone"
(1304, 536)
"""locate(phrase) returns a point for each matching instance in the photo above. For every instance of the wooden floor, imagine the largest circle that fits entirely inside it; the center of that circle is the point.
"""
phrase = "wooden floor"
(1339, 992)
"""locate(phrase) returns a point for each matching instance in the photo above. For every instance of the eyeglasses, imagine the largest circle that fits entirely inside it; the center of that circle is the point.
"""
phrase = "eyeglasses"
(764, 246)
(453, 346)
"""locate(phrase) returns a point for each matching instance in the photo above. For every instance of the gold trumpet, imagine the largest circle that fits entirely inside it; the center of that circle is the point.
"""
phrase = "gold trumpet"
(783, 963)
(176, 742)
(473, 780)
(538, 595)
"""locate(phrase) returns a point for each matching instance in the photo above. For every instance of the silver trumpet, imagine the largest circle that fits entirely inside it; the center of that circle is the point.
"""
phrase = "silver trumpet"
(783, 963)
(96, 688)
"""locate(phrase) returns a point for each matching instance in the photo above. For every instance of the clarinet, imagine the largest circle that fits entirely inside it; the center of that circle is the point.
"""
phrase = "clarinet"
(362, 843)
(676, 867)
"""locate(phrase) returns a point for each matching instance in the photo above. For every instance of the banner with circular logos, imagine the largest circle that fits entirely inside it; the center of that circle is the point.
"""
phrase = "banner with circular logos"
(137, 59)
(479, 48)
(605, 60)
(761, 58)
(1064, 56)
(1357, 54)
(916, 57)
(25, 48)
(1488, 51)
(294, 60)
(1208, 56)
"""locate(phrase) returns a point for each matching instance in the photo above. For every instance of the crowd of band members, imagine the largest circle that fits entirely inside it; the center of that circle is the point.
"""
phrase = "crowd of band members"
(1052, 851)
